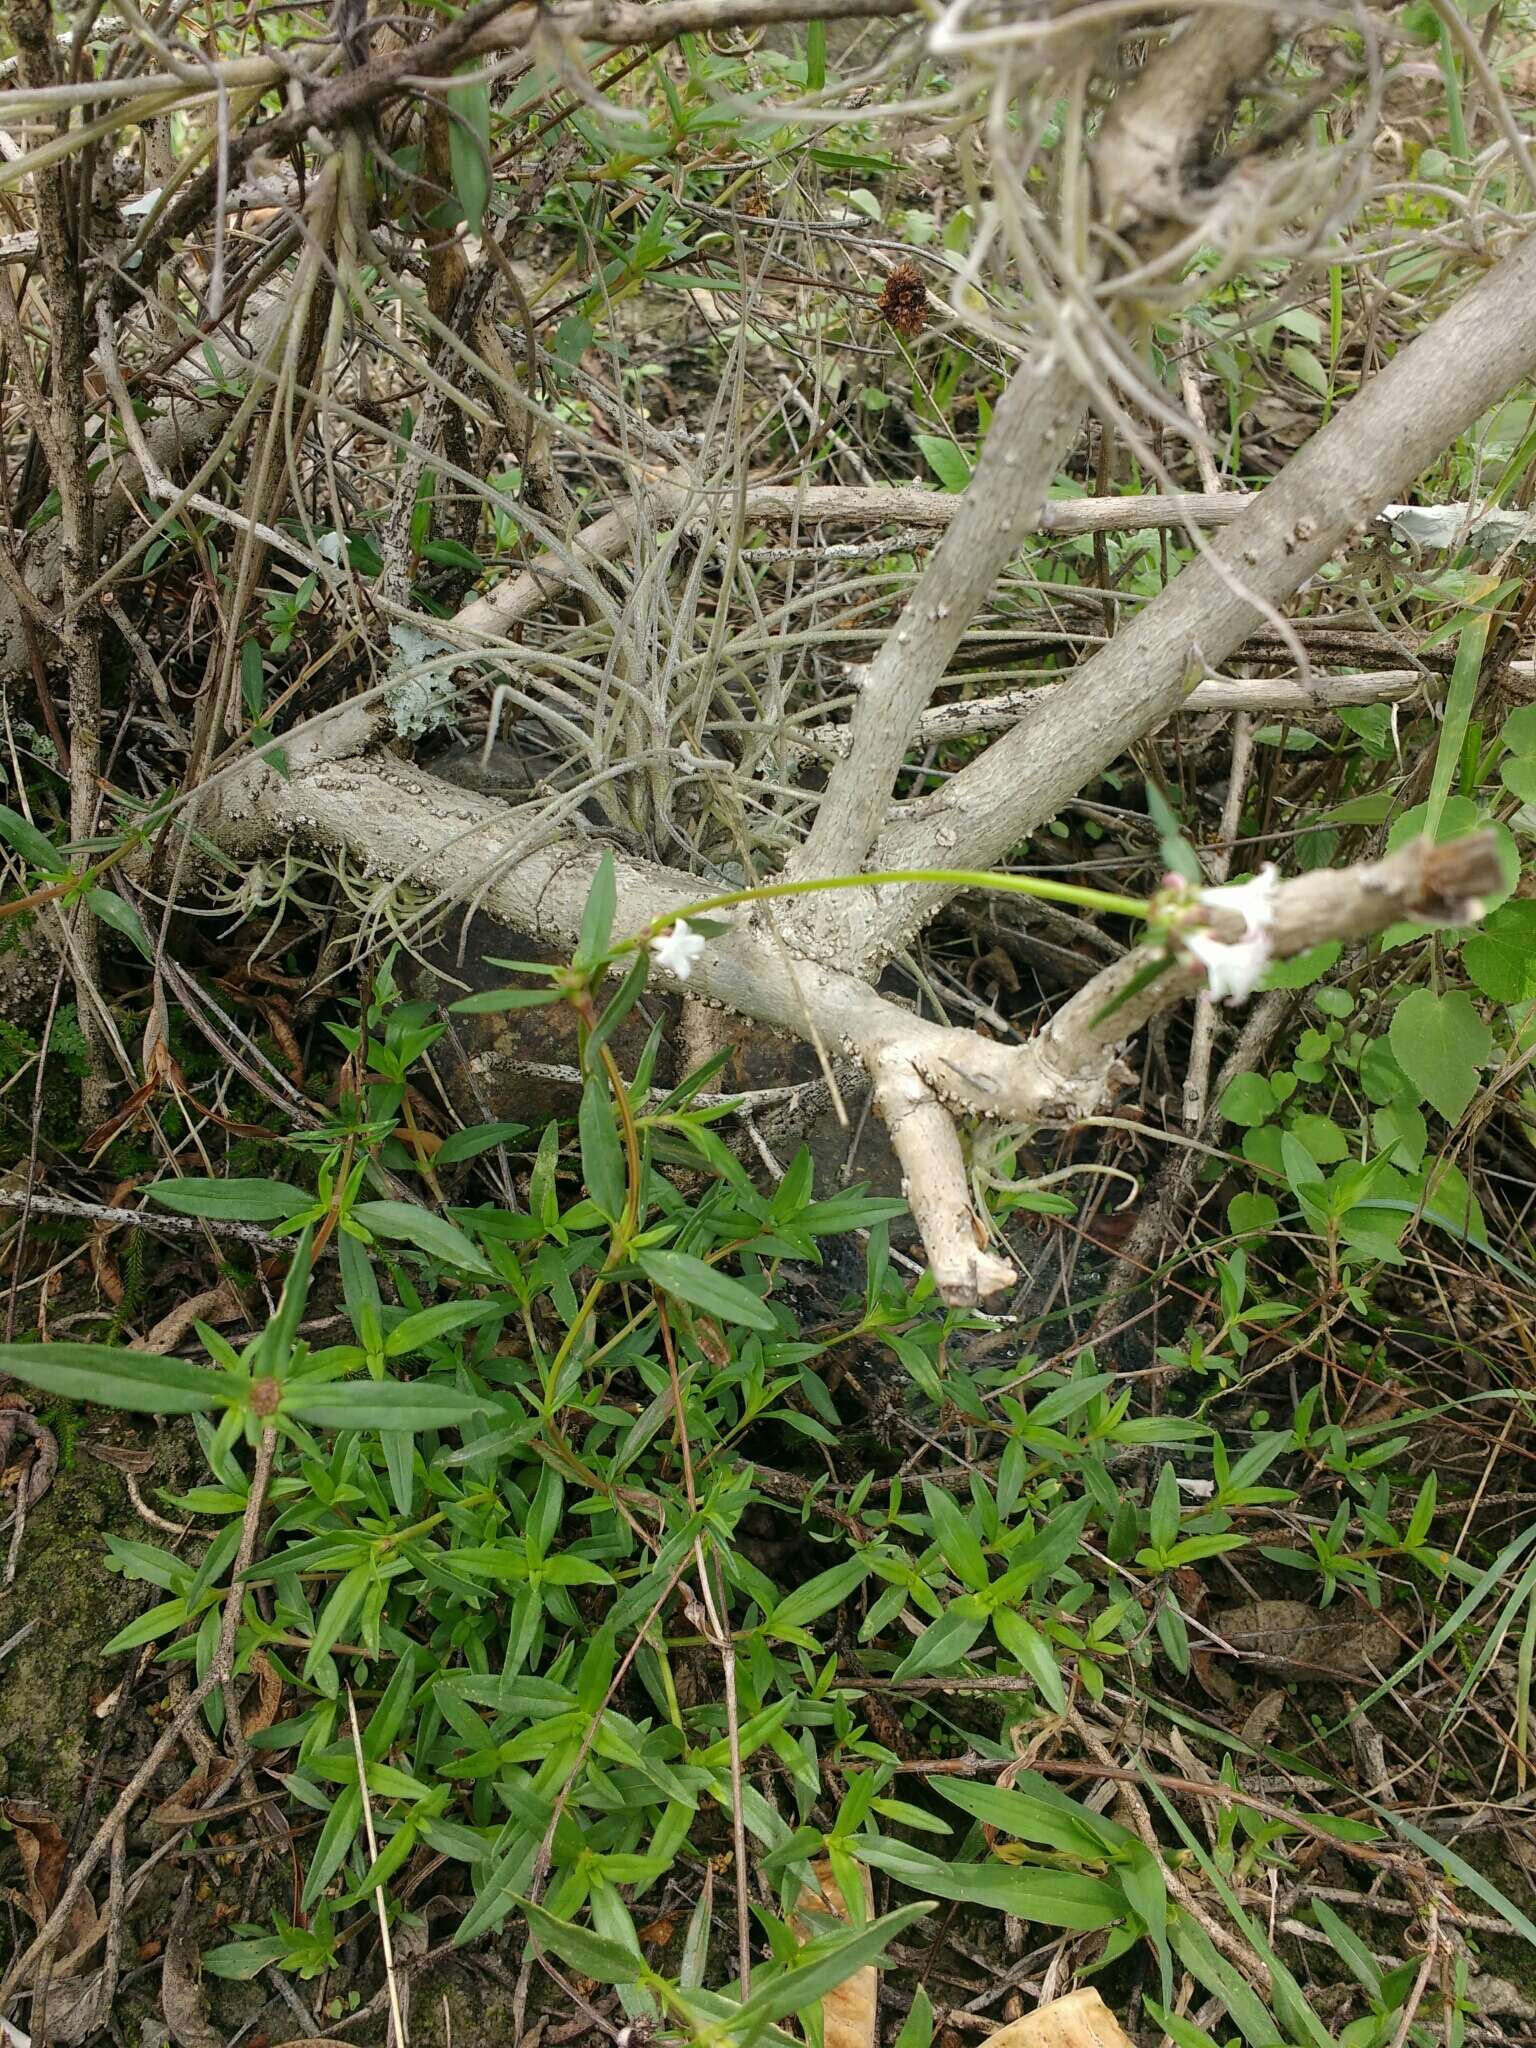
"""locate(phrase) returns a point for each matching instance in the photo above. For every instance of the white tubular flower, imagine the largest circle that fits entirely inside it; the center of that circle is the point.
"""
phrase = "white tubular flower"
(677, 949)
(1253, 902)
(1233, 971)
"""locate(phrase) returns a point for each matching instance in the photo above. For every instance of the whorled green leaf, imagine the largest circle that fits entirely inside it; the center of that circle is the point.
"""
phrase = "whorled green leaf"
(241, 1201)
(703, 1286)
(405, 1223)
(1045, 1898)
(135, 1380)
(384, 1405)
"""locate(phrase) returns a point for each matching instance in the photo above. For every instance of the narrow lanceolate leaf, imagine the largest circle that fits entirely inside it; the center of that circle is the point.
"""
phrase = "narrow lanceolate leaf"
(602, 1156)
(817, 1596)
(469, 1144)
(1047, 1898)
(492, 1001)
(336, 1838)
(827, 1963)
(241, 1201)
(384, 1404)
(1033, 1654)
(469, 149)
(29, 842)
(122, 917)
(701, 1286)
(604, 1961)
(405, 1223)
(597, 918)
(120, 1379)
(428, 1325)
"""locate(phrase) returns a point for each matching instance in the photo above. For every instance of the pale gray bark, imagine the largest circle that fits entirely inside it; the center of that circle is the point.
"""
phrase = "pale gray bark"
(1286, 696)
(1035, 424)
(1435, 388)
(1156, 131)
(398, 821)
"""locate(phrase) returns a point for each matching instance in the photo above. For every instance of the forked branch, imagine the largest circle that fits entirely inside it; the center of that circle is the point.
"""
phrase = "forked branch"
(403, 822)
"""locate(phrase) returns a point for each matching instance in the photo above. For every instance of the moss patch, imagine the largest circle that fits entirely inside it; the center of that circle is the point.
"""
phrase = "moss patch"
(50, 1683)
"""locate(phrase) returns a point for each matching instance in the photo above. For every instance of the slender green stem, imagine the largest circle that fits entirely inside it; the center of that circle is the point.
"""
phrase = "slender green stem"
(957, 878)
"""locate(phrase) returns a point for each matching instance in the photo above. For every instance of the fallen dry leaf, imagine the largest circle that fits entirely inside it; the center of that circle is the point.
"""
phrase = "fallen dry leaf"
(219, 1304)
(269, 1696)
(187, 1803)
(182, 1998)
(1290, 1637)
(78, 1999)
(78, 2008)
(848, 2012)
(32, 1474)
(44, 1856)
(1264, 1718)
(1080, 2020)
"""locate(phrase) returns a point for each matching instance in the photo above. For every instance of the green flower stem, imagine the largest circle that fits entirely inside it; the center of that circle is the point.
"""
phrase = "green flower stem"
(961, 878)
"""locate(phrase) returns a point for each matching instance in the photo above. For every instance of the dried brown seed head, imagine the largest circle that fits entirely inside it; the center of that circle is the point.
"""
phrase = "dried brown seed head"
(904, 302)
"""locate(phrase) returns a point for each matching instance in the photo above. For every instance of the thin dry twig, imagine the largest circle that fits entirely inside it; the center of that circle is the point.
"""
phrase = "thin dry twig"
(386, 1942)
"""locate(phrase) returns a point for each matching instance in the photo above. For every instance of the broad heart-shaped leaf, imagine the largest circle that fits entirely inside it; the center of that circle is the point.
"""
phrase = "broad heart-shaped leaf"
(1441, 1042)
(242, 1201)
(435, 1235)
(698, 1284)
(383, 1404)
(120, 1379)
(1248, 1099)
(1501, 958)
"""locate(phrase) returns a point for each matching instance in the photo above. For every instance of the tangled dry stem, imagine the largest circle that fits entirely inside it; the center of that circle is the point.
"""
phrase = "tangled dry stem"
(690, 746)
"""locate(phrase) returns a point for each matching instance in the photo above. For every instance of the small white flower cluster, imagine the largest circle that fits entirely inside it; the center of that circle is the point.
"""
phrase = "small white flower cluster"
(677, 948)
(1234, 969)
